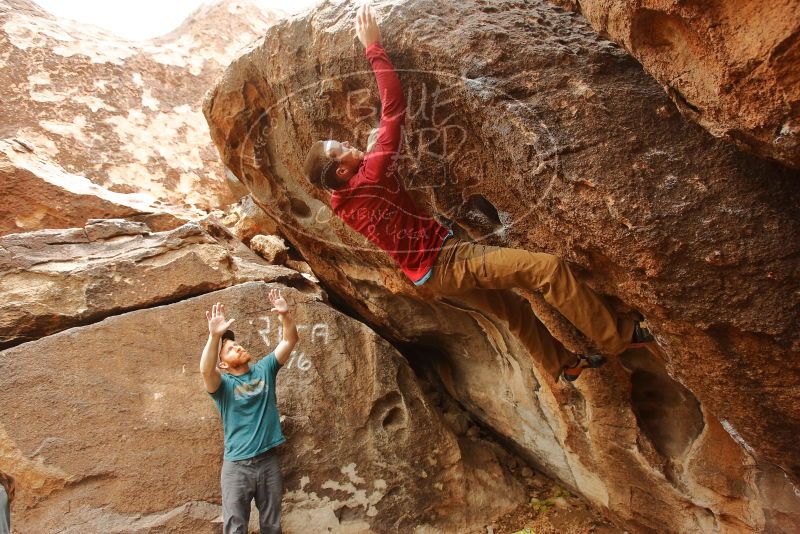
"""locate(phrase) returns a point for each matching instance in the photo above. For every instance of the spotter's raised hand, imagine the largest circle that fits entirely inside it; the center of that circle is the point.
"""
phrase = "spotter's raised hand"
(278, 302)
(216, 320)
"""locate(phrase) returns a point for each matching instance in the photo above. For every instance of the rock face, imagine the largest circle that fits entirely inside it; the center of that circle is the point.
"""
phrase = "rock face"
(270, 247)
(527, 130)
(123, 114)
(109, 428)
(245, 219)
(734, 67)
(53, 279)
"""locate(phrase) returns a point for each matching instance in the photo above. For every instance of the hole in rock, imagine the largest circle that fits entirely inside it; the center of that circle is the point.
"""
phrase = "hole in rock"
(300, 208)
(259, 187)
(666, 412)
(480, 213)
(389, 411)
(349, 513)
(394, 419)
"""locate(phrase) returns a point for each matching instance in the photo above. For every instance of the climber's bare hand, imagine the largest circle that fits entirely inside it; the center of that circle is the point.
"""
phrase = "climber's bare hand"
(366, 25)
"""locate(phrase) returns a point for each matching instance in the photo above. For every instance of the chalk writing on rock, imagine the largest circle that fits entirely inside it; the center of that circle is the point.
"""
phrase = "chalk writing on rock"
(315, 334)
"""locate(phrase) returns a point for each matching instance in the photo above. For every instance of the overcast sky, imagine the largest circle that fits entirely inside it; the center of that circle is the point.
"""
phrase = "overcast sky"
(145, 19)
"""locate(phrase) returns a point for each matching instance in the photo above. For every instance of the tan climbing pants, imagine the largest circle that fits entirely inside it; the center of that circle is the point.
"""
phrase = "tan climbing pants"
(474, 272)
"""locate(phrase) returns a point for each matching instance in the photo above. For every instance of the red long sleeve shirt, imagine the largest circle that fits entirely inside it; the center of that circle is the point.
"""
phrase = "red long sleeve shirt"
(374, 202)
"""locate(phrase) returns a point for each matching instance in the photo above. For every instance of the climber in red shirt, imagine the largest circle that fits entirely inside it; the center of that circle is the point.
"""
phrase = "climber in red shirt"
(368, 196)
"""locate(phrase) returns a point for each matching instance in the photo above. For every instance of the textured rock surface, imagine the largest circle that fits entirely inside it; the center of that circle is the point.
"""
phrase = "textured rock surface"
(35, 193)
(245, 219)
(54, 279)
(108, 428)
(734, 67)
(123, 114)
(527, 130)
(270, 247)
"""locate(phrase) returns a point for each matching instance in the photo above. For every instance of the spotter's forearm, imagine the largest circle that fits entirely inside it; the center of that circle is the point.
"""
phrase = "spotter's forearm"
(208, 361)
(290, 338)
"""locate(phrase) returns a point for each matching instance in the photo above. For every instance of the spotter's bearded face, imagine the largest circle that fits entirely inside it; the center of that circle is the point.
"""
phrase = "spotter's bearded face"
(233, 355)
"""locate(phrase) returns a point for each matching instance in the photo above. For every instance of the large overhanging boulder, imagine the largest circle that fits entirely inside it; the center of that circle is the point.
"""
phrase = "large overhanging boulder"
(526, 129)
(108, 428)
(731, 66)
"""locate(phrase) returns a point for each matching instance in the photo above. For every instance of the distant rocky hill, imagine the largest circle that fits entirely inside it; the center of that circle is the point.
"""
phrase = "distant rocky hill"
(123, 114)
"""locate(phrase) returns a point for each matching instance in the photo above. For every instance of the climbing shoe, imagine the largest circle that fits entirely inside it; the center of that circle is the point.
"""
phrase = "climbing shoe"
(641, 335)
(590, 361)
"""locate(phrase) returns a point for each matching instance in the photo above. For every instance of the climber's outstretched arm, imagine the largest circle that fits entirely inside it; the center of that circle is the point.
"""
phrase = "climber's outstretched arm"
(393, 104)
(290, 337)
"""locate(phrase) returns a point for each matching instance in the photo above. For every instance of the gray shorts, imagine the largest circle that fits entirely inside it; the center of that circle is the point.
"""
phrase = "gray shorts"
(256, 478)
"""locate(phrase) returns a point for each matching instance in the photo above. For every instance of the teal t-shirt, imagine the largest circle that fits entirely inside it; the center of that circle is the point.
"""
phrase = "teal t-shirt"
(249, 410)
